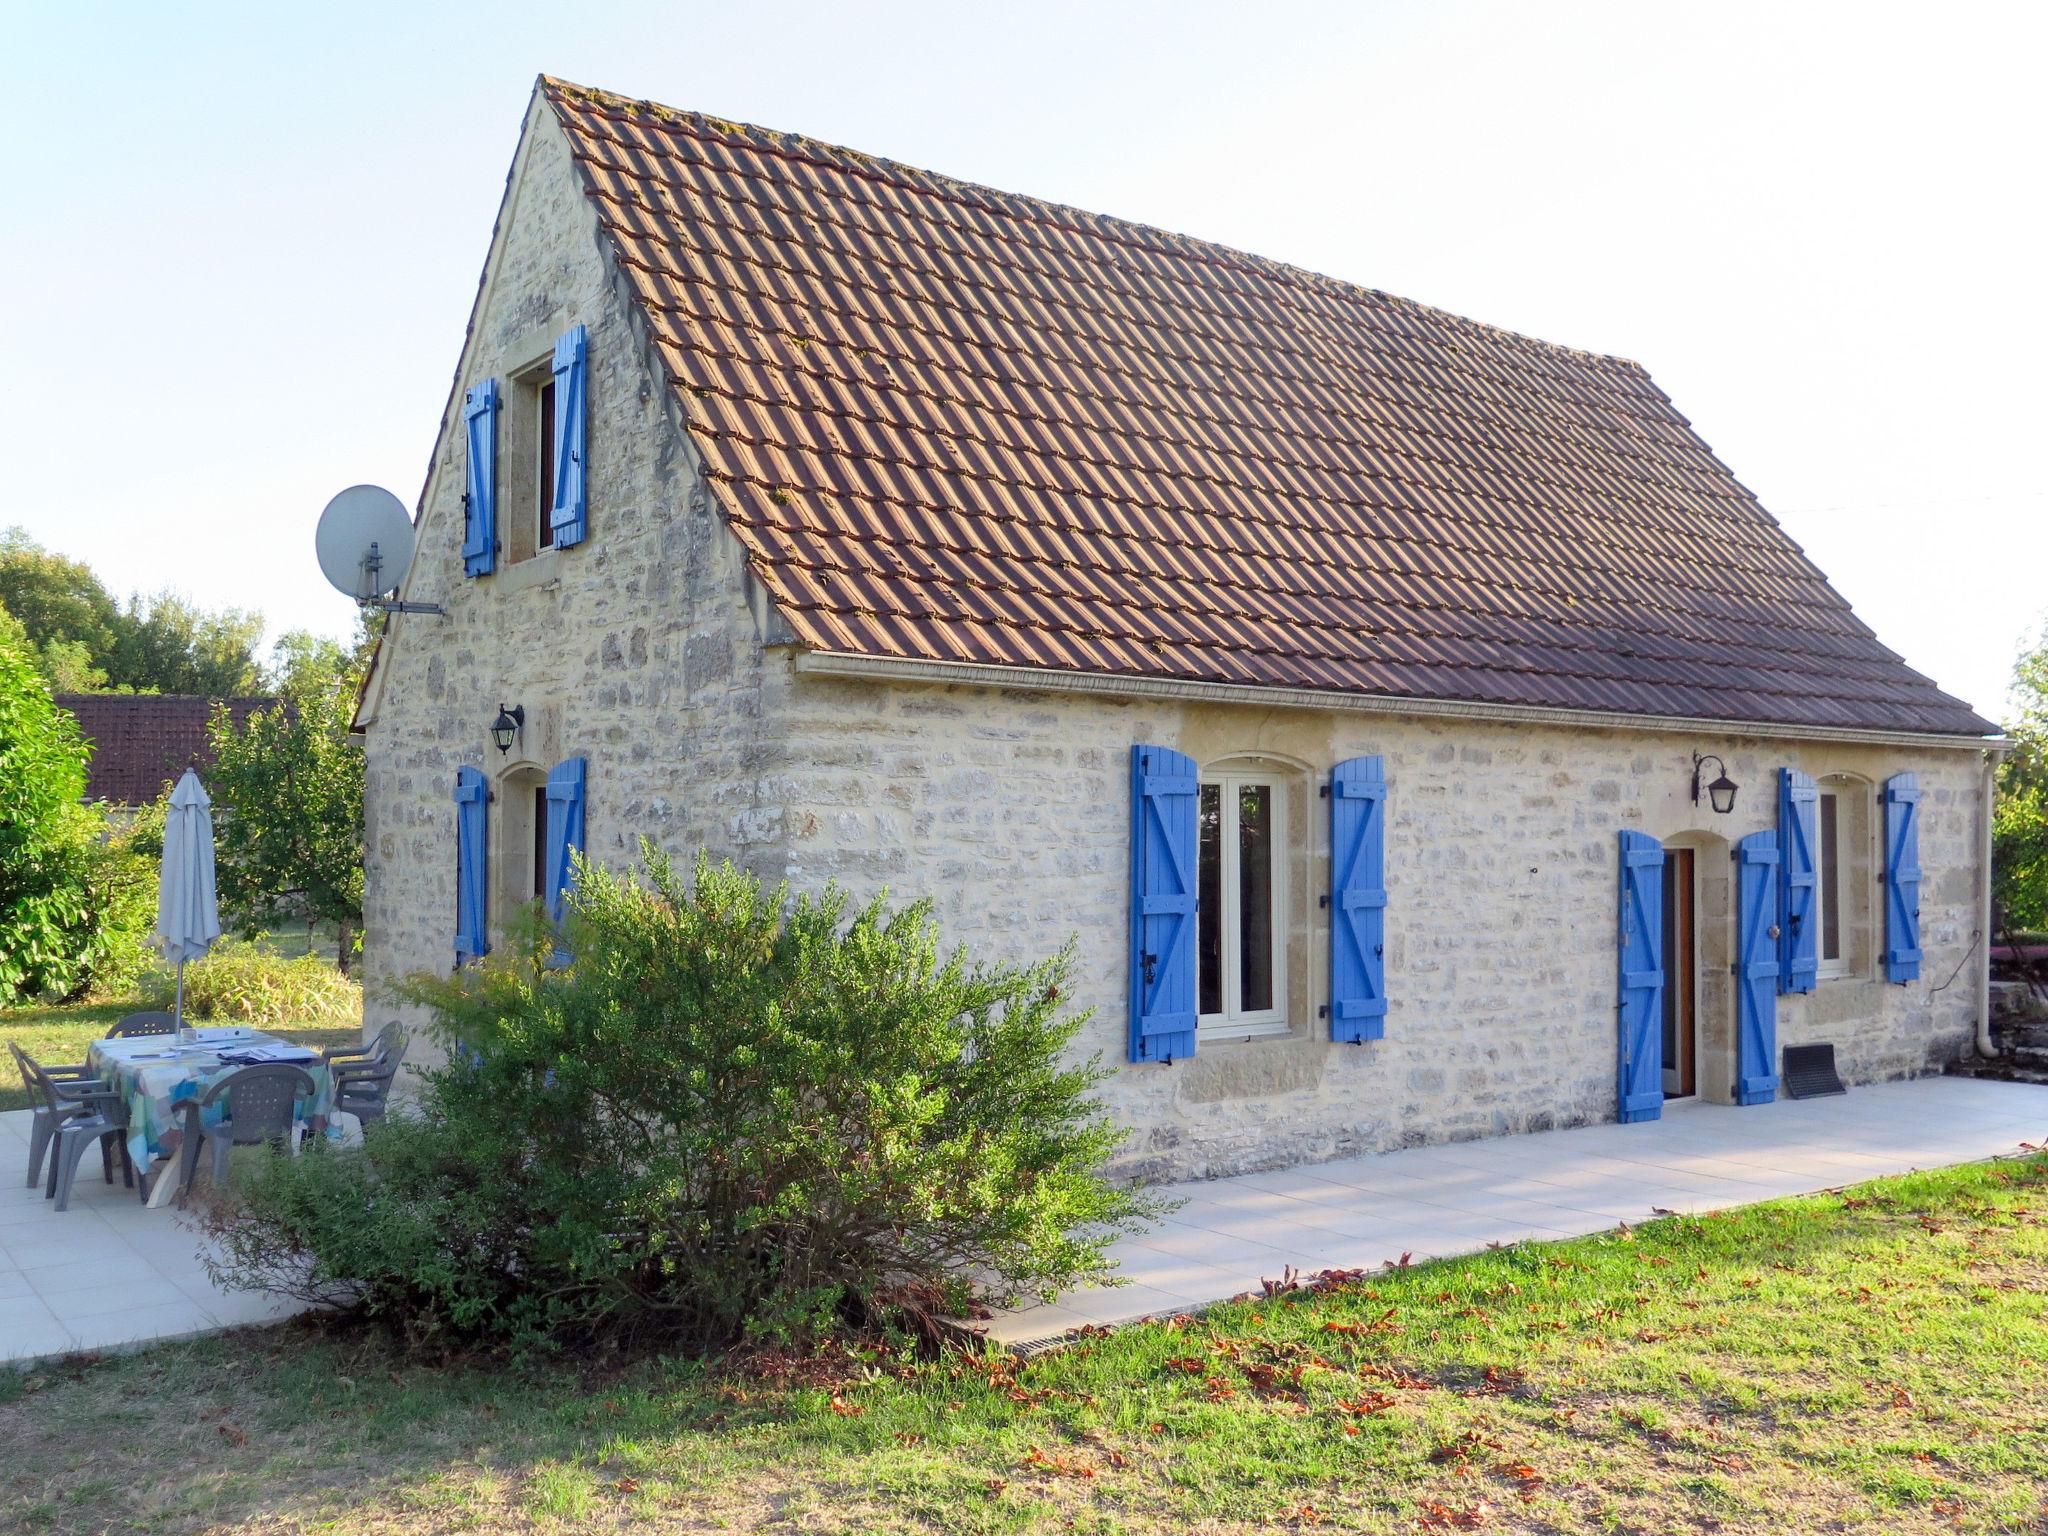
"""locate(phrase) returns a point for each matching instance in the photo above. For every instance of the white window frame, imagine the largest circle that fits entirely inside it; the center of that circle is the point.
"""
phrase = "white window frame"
(1839, 967)
(1232, 1024)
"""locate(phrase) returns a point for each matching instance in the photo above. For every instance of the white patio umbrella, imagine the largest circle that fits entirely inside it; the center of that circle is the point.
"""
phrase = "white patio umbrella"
(187, 917)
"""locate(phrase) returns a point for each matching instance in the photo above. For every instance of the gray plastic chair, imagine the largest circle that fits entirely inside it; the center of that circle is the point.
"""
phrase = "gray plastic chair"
(262, 1107)
(138, 1024)
(76, 1112)
(390, 1039)
(50, 1112)
(362, 1083)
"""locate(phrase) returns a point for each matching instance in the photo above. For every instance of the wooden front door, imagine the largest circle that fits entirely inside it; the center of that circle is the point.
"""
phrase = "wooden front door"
(1681, 973)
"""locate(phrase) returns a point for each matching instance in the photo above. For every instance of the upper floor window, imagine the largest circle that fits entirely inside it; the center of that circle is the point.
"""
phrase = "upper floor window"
(544, 477)
(1242, 874)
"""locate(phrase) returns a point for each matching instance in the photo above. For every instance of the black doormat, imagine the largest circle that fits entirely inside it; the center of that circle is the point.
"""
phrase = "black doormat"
(1810, 1072)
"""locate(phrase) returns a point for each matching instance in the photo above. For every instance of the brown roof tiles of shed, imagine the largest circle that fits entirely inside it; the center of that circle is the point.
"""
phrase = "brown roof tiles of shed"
(959, 425)
(142, 742)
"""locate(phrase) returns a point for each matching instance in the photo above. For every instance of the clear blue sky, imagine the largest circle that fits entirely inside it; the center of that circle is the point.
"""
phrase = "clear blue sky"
(240, 243)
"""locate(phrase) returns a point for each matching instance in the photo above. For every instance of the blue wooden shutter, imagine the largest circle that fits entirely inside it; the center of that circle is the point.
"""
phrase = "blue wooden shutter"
(1641, 942)
(1798, 883)
(1358, 899)
(472, 864)
(570, 489)
(1902, 878)
(480, 500)
(1165, 793)
(564, 831)
(1756, 968)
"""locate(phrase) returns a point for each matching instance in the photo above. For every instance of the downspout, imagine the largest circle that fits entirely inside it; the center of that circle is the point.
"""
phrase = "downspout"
(1986, 1046)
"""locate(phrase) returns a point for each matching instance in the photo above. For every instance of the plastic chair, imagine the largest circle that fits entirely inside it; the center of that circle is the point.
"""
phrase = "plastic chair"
(138, 1024)
(50, 1113)
(262, 1107)
(76, 1112)
(362, 1085)
(390, 1039)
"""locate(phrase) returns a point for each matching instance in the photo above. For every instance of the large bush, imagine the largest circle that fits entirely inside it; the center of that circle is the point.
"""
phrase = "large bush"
(2019, 828)
(51, 867)
(730, 1115)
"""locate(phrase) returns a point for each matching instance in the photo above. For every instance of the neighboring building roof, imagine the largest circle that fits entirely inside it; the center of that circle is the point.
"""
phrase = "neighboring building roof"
(143, 741)
(956, 424)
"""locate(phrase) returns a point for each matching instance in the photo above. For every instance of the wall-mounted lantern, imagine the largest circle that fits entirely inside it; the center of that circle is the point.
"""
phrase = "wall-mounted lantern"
(1721, 793)
(505, 730)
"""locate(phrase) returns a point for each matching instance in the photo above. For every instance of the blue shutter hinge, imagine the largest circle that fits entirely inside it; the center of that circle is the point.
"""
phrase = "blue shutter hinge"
(1324, 791)
(1323, 1012)
(1323, 900)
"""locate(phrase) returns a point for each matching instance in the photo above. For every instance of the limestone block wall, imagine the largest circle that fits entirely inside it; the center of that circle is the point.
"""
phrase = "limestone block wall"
(636, 648)
(1012, 809)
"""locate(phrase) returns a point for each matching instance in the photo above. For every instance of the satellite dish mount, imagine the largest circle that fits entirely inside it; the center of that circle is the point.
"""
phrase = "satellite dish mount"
(365, 547)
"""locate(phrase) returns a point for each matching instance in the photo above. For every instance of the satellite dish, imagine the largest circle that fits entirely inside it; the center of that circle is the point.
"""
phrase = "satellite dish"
(364, 542)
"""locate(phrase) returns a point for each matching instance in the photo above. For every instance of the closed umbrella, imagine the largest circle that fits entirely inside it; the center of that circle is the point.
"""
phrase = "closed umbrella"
(187, 916)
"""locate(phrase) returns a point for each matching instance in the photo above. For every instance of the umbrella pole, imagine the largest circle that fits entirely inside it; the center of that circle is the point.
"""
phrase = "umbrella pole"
(181, 1000)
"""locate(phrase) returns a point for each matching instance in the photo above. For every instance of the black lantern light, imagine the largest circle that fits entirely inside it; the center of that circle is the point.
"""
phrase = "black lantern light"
(505, 730)
(1721, 793)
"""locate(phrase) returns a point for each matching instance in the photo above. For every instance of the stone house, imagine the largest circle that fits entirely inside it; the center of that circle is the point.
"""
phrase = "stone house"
(1365, 687)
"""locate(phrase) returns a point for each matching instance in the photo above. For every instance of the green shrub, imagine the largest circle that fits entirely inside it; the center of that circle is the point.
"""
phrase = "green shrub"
(48, 925)
(731, 1115)
(245, 983)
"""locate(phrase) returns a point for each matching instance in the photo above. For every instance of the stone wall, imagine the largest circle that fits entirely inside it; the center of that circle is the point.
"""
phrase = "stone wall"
(640, 650)
(1012, 809)
(636, 648)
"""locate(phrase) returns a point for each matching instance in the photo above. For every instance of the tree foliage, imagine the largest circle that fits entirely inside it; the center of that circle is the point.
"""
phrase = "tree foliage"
(84, 640)
(73, 900)
(730, 1115)
(2019, 828)
(290, 844)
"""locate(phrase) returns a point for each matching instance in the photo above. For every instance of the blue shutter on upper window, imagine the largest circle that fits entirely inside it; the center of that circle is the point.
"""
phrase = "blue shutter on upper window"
(472, 864)
(1358, 899)
(1756, 968)
(480, 499)
(1165, 793)
(1902, 878)
(564, 832)
(1798, 881)
(571, 487)
(1640, 941)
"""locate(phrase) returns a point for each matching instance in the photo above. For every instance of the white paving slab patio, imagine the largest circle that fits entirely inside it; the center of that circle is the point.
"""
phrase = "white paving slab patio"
(107, 1273)
(1438, 1201)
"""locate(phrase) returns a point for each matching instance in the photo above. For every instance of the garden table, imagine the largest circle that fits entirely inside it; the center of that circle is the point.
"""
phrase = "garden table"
(155, 1076)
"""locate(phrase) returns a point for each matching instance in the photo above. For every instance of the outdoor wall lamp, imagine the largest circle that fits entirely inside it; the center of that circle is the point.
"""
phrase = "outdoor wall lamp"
(1721, 792)
(505, 730)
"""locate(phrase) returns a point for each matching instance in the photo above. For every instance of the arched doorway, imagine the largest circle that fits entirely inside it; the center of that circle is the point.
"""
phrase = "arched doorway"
(1698, 1023)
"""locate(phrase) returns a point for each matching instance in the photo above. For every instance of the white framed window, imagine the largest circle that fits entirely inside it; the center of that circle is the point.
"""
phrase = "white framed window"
(1834, 947)
(1241, 972)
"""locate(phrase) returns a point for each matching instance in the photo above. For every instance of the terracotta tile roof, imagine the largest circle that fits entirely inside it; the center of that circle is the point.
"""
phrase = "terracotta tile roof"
(956, 424)
(143, 741)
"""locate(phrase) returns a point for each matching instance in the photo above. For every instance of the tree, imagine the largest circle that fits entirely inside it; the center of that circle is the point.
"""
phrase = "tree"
(46, 836)
(289, 844)
(164, 644)
(2019, 826)
(55, 599)
(84, 640)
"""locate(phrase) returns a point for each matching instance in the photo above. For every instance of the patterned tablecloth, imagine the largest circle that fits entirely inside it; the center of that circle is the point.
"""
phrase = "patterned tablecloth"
(155, 1075)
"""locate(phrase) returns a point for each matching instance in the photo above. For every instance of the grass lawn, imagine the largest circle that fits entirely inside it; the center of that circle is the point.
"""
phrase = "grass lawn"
(61, 1034)
(1871, 1362)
